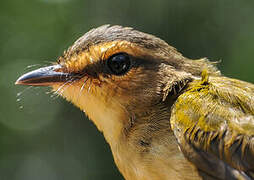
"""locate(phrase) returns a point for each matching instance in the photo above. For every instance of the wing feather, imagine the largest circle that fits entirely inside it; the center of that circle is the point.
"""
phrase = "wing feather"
(213, 121)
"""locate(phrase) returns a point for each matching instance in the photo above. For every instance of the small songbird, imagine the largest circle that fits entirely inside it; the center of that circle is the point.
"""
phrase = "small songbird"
(164, 116)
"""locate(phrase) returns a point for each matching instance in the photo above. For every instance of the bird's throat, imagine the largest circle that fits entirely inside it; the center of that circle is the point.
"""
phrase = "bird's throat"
(107, 115)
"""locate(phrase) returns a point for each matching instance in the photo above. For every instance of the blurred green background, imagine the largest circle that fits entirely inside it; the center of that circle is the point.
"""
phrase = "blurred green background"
(44, 137)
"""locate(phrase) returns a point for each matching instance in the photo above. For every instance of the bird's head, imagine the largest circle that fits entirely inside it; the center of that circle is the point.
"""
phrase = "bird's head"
(115, 74)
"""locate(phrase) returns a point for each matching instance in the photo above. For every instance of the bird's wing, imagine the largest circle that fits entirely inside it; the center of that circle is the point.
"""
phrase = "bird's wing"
(213, 121)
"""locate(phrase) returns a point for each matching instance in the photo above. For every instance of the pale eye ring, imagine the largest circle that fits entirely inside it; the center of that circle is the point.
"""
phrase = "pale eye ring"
(119, 64)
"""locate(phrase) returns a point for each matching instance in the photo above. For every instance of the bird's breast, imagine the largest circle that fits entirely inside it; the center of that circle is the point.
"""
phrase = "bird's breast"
(163, 161)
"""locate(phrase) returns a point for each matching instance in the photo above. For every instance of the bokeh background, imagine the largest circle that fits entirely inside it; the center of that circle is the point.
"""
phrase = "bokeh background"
(44, 137)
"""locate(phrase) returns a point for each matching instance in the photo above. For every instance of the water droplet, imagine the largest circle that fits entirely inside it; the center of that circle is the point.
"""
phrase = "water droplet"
(18, 99)
(20, 107)
(19, 93)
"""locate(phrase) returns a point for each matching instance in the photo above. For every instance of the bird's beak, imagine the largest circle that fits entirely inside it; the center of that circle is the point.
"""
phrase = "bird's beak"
(45, 76)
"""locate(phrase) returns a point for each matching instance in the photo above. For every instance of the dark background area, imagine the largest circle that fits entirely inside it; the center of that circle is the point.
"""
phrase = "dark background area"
(44, 137)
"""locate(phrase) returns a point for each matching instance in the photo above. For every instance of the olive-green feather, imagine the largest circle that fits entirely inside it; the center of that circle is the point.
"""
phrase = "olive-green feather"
(215, 115)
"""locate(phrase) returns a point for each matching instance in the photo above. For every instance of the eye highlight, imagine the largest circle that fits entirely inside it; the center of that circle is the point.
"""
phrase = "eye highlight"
(119, 64)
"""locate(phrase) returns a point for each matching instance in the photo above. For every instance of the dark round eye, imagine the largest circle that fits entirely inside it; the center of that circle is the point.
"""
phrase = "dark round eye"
(119, 64)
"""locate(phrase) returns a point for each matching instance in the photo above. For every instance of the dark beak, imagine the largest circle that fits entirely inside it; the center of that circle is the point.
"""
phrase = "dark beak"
(45, 76)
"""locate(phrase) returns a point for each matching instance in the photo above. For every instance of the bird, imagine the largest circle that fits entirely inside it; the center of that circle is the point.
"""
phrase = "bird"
(164, 116)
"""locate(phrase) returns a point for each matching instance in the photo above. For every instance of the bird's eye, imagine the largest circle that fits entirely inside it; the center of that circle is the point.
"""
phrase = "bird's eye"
(119, 64)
